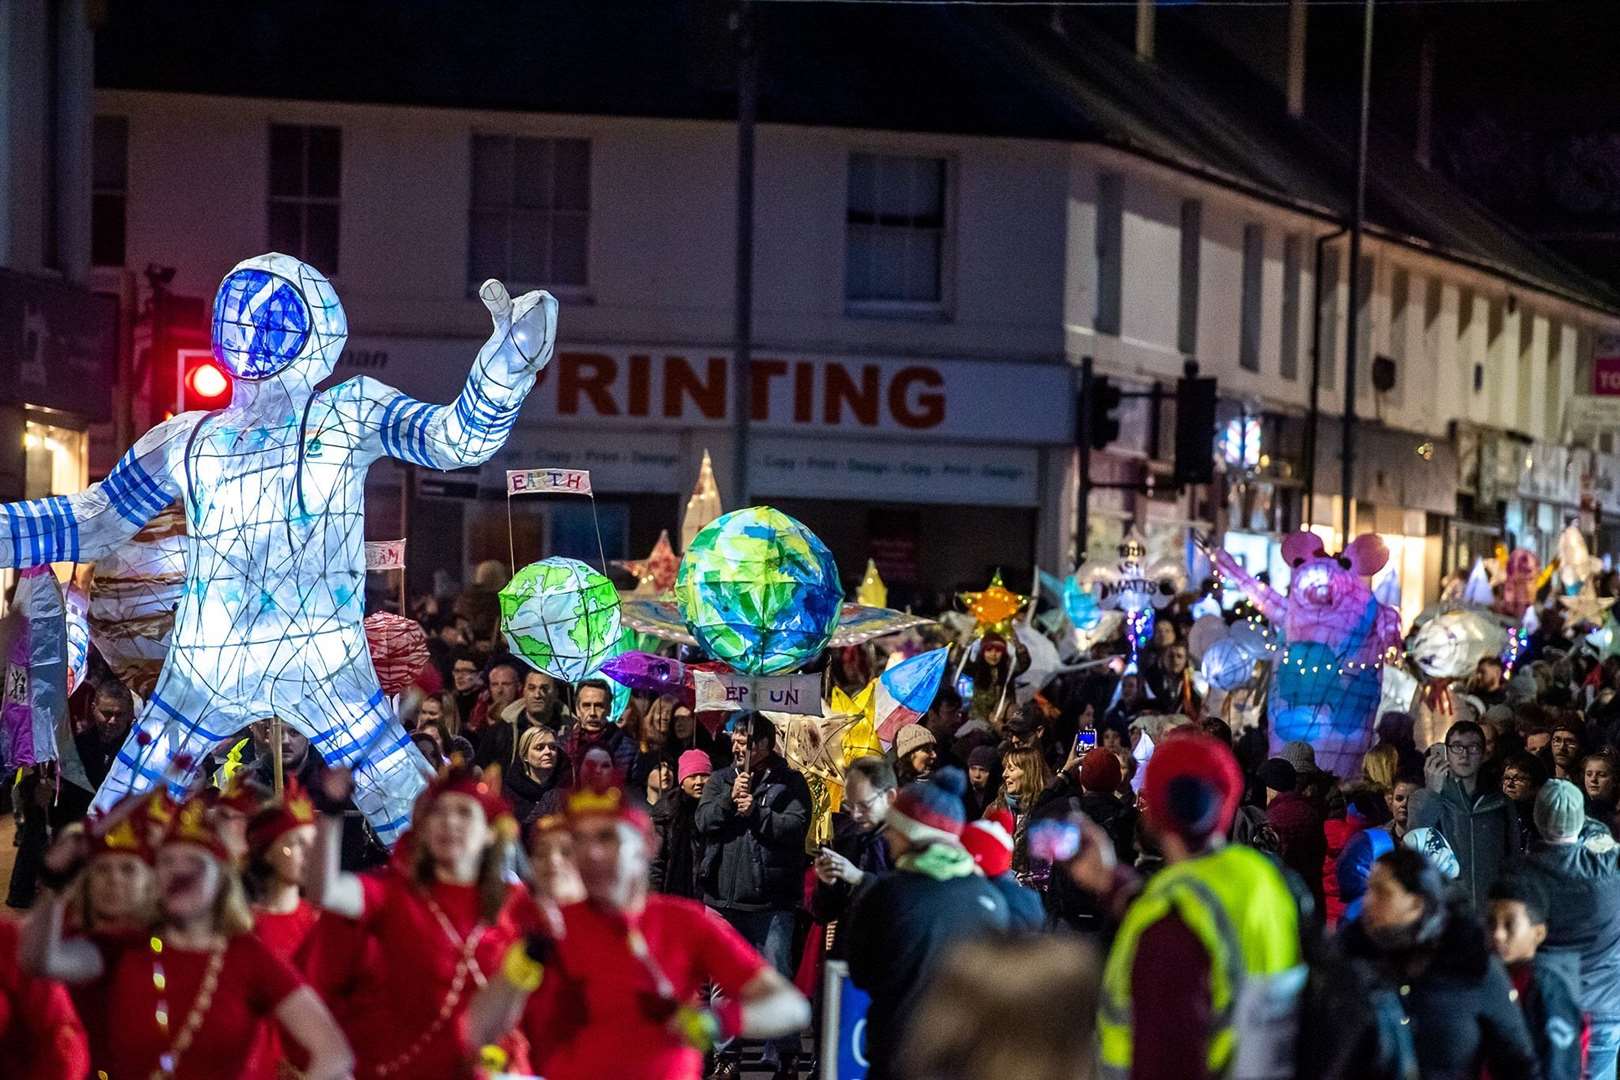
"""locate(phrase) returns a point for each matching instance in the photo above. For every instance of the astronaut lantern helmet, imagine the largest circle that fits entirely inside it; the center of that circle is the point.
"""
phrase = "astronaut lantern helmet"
(273, 313)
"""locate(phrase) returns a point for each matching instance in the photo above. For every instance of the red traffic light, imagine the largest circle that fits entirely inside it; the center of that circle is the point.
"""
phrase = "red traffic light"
(206, 385)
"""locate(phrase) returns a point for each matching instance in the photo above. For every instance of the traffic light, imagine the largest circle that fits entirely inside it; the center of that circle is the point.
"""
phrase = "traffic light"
(1195, 429)
(1104, 403)
(205, 385)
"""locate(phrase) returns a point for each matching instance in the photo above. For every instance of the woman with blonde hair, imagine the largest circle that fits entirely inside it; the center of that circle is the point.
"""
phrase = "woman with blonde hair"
(1024, 775)
(196, 994)
(1378, 768)
(534, 785)
(1007, 1008)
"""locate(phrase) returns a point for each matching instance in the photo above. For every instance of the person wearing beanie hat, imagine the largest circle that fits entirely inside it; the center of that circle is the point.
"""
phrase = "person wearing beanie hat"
(443, 896)
(196, 968)
(990, 843)
(1479, 823)
(1576, 865)
(1215, 915)
(903, 923)
(753, 818)
(858, 852)
(915, 751)
(1302, 840)
(642, 961)
(677, 848)
(982, 764)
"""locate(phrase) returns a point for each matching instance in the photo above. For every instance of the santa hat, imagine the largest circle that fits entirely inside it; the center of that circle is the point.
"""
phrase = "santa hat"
(990, 845)
(1192, 786)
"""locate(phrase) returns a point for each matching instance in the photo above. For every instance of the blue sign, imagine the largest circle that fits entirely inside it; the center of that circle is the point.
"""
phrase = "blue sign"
(843, 1030)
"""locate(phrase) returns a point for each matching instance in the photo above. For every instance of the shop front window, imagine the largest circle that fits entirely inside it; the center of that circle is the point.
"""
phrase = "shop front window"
(57, 460)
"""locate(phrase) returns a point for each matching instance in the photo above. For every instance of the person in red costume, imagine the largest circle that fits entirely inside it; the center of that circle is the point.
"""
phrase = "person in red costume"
(620, 974)
(40, 1034)
(279, 840)
(190, 996)
(437, 920)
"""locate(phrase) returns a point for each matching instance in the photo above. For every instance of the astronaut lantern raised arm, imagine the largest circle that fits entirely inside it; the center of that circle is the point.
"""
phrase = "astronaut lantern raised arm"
(270, 620)
(1337, 638)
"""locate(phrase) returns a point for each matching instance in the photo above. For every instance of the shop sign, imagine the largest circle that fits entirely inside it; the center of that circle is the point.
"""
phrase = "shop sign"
(899, 472)
(1593, 413)
(1606, 366)
(674, 387)
(60, 345)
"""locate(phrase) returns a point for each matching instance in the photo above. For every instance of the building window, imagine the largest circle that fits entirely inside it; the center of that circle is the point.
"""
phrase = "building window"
(1327, 362)
(1110, 251)
(895, 229)
(1192, 238)
(1254, 261)
(109, 189)
(531, 211)
(306, 167)
(1293, 270)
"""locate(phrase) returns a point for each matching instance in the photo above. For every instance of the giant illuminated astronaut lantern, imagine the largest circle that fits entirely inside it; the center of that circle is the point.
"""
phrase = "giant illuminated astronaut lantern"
(269, 623)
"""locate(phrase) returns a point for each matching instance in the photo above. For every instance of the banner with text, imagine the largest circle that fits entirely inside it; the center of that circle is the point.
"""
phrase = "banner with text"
(548, 481)
(730, 691)
(385, 554)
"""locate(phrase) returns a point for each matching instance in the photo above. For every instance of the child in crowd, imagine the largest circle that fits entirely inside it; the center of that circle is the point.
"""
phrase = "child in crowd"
(1548, 987)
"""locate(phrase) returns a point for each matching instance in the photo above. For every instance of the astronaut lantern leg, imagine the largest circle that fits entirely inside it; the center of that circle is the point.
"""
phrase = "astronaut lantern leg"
(166, 745)
(355, 728)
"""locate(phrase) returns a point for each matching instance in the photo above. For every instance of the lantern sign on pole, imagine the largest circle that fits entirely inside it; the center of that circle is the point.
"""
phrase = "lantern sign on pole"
(1134, 587)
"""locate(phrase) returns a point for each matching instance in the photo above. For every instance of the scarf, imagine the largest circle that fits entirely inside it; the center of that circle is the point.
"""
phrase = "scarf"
(942, 862)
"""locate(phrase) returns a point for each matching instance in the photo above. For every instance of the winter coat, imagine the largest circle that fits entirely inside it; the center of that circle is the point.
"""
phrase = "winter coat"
(1582, 881)
(1337, 833)
(526, 795)
(902, 927)
(577, 742)
(1298, 825)
(1550, 998)
(1483, 832)
(680, 849)
(830, 901)
(754, 863)
(1458, 998)
(1025, 915)
(1066, 902)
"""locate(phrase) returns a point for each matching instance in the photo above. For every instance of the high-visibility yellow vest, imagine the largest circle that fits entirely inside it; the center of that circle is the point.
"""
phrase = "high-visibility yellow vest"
(1236, 903)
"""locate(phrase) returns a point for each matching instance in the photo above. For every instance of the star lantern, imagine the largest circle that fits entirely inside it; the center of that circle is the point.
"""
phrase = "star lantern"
(993, 607)
(655, 575)
(872, 592)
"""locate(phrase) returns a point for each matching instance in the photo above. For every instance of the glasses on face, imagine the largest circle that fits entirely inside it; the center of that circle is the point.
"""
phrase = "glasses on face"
(1514, 780)
(868, 802)
(1465, 749)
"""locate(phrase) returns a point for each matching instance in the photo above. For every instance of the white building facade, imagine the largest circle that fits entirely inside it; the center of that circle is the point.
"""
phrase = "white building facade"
(921, 303)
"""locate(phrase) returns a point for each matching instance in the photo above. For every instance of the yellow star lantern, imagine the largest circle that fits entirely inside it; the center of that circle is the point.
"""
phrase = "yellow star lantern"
(993, 607)
(872, 592)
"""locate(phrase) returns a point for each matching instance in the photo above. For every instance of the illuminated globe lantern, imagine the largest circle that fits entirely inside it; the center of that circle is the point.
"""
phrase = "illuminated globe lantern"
(759, 591)
(562, 617)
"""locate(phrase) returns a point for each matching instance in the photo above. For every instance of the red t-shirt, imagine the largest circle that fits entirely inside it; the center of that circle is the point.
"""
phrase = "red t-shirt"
(227, 1046)
(594, 1014)
(283, 933)
(411, 971)
(40, 1034)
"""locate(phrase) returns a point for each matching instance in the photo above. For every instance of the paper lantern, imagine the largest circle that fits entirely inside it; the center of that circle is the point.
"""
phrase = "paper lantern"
(993, 607)
(647, 672)
(562, 617)
(133, 594)
(759, 591)
(871, 591)
(399, 649)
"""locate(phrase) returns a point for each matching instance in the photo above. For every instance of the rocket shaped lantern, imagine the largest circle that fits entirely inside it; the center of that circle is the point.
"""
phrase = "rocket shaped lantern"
(704, 505)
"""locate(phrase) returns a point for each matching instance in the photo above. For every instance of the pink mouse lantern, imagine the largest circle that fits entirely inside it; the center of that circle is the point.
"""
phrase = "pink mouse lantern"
(1336, 637)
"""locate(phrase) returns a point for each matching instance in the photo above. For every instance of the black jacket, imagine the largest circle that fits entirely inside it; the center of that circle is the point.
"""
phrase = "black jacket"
(1459, 1000)
(680, 849)
(829, 903)
(1066, 902)
(900, 929)
(754, 863)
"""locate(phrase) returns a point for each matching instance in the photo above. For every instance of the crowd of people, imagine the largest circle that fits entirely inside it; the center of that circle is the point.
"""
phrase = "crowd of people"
(1113, 878)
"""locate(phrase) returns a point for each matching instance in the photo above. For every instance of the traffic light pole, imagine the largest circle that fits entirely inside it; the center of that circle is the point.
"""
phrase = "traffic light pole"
(1082, 435)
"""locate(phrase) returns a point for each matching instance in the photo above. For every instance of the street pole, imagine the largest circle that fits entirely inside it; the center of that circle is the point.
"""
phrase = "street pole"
(742, 355)
(1082, 438)
(1357, 219)
(1313, 414)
